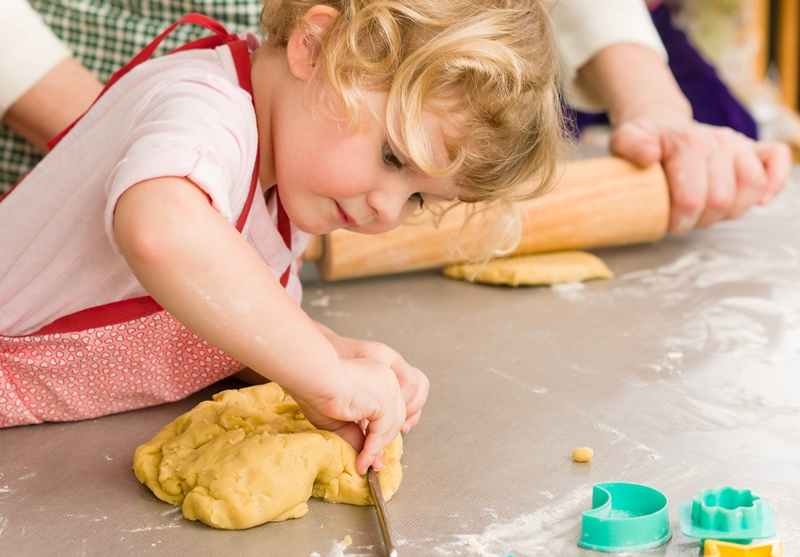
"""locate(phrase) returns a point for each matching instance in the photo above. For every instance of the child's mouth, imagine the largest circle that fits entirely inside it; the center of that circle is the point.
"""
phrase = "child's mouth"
(347, 219)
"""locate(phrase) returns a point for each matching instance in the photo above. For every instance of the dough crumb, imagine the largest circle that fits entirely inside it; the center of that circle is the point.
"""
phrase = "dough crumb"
(347, 541)
(582, 454)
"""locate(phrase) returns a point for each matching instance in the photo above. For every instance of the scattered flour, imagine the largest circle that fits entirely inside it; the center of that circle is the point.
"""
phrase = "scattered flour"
(652, 454)
(321, 302)
(337, 549)
(708, 315)
(537, 390)
(542, 532)
(572, 291)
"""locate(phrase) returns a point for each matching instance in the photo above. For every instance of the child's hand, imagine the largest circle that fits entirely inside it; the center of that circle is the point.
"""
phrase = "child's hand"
(369, 392)
(413, 383)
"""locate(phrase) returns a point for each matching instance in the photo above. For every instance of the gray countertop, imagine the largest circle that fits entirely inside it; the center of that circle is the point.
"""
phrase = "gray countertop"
(682, 373)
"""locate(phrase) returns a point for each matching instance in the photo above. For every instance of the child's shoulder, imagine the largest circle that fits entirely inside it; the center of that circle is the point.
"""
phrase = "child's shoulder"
(188, 92)
(212, 70)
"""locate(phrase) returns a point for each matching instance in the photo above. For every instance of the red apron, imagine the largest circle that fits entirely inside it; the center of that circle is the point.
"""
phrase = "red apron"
(128, 354)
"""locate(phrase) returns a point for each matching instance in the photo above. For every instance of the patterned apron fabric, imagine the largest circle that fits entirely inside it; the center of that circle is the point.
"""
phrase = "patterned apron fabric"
(98, 371)
(105, 34)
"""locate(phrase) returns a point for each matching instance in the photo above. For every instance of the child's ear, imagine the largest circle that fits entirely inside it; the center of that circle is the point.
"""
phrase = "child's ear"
(304, 46)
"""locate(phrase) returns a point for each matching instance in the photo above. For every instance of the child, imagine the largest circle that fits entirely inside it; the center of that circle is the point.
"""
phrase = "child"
(153, 251)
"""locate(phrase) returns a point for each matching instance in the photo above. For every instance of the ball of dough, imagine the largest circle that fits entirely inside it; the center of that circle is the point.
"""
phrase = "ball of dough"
(249, 457)
(545, 268)
(582, 454)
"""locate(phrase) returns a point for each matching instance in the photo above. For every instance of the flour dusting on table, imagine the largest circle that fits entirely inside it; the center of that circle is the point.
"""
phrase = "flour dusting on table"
(550, 530)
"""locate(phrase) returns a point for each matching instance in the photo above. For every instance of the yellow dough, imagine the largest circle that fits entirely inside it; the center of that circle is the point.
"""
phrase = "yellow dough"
(545, 268)
(250, 457)
(582, 454)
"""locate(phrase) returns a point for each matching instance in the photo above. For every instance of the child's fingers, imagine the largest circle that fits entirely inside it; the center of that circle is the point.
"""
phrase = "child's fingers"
(381, 431)
(351, 433)
(411, 422)
(413, 384)
(372, 453)
(418, 399)
(368, 455)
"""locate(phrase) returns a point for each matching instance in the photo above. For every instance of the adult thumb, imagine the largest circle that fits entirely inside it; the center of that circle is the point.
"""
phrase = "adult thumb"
(634, 142)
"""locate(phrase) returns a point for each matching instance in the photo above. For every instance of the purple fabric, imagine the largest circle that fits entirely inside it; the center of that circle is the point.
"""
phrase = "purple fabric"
(712, 102)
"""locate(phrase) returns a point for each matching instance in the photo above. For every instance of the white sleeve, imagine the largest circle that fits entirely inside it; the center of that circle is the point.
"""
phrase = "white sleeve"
(201, 128)
(28, 50)
(584, 28)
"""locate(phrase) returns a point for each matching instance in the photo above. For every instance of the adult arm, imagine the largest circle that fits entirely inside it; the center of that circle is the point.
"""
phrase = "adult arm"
(582, 29)
(43, 88)
(613, 60)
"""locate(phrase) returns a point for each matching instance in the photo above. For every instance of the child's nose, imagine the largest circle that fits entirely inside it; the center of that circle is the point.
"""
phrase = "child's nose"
(387, 205)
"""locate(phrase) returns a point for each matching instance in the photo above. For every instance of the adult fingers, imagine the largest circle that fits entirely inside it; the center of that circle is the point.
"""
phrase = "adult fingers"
(777, 160)
(751, 178)
(685, 163)
(722, 187)
(636, 142)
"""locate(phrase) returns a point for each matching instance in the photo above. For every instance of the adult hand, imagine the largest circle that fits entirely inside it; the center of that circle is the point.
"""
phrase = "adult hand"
(714, 173)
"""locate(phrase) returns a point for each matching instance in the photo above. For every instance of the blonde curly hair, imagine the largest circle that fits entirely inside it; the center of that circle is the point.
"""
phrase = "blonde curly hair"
(492, 63)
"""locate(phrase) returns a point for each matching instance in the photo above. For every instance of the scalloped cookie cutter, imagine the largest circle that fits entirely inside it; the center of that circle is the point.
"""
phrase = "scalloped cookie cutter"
(727, 514)
(625, 517)
(714, 548)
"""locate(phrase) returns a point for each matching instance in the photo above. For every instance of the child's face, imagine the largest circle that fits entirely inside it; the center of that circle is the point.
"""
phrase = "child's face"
(331, 178)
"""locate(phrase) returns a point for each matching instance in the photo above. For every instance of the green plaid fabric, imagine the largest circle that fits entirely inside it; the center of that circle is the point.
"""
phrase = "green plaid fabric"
(105, 34)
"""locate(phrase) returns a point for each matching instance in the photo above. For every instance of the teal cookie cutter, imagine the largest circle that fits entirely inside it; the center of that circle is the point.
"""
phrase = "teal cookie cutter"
(625, 517)
(727, 514)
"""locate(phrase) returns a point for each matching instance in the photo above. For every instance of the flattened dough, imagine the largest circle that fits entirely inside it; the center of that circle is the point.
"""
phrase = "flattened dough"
(250, 457)
(545, 268)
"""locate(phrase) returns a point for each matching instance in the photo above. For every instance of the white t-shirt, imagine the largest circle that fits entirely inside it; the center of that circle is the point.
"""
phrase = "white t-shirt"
(28, 50)
(180, 115)
(585, 27)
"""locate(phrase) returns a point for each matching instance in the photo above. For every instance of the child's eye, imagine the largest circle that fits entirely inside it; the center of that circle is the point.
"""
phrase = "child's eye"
(419, 197)
(389, 157)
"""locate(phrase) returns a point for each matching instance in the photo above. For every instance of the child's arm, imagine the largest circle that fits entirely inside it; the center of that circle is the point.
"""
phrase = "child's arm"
(200, 269)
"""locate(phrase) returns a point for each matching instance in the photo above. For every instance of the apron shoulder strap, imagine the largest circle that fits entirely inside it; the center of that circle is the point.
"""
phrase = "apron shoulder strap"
(220, 37)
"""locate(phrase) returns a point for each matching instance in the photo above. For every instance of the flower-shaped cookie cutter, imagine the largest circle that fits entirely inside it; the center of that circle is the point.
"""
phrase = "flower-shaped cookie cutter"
(714, 548)
(727, 514)
(625, 517)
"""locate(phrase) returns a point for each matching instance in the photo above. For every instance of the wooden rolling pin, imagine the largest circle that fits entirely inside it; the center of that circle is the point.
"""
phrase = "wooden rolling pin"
(599, 202)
